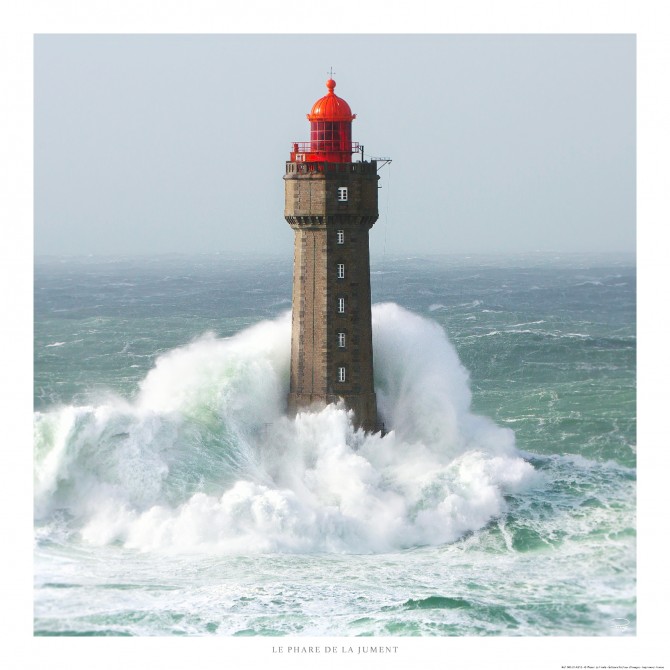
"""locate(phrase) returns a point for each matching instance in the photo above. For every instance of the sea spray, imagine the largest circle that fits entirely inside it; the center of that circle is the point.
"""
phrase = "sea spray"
(203, 459)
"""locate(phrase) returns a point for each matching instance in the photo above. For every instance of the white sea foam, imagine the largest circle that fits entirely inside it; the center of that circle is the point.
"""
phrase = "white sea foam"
(204, 458)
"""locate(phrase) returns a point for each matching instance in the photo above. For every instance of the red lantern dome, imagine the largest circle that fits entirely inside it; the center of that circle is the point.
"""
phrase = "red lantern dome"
(330, 132)
(331, 107)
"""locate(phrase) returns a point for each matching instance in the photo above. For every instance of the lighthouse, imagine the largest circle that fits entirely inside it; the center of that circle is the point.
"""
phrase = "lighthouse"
(331, 204)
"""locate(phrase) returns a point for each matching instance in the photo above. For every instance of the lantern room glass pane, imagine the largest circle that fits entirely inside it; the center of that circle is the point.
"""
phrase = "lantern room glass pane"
(332, 138)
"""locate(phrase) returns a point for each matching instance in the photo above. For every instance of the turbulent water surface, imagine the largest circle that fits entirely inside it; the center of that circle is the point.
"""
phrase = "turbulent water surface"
(174, 497)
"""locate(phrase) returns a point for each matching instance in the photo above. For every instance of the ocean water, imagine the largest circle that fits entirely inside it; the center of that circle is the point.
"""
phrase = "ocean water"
(174, 497)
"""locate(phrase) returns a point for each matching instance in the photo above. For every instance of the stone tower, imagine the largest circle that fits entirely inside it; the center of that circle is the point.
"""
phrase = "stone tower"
(331, 204)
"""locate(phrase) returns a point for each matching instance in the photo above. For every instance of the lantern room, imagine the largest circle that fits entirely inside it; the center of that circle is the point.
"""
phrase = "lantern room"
(330, 131)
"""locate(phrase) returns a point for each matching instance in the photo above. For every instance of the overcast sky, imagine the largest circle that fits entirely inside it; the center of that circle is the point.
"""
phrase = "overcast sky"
(509, 143)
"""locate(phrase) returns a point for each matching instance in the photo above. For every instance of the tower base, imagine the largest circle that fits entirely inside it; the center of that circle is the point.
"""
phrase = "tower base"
(363, 406)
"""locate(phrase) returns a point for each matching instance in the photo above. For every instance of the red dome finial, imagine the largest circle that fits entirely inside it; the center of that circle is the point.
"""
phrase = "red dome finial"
(331, 107)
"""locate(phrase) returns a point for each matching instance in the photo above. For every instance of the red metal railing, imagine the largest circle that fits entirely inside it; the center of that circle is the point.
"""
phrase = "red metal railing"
(321, 146)
(323, 150)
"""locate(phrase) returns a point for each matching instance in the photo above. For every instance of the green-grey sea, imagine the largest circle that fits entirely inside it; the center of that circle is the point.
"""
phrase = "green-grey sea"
(173, 496)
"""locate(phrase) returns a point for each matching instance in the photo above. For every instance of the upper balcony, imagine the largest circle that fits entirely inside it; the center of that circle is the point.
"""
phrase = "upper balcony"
(312, 167)
(328, 150)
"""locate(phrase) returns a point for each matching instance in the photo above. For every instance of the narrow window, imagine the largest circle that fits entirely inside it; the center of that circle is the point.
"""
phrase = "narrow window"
(340, 305)
(341, 340)
(341, 374)
(343, 193)
(340, 237)
(340, 270)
